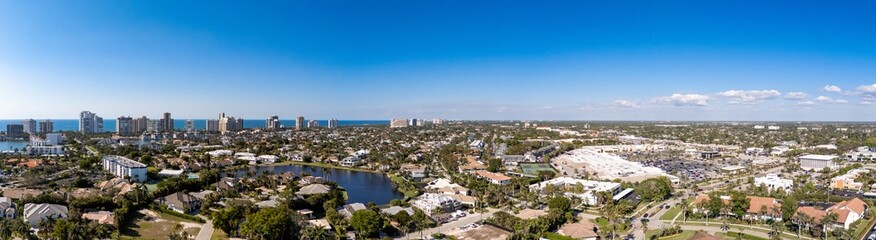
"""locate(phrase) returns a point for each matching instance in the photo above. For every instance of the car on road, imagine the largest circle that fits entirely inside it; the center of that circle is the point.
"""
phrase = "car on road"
(645, 216)
(872, 236)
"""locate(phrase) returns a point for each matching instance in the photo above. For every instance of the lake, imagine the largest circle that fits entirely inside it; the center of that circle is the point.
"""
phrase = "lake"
(363, 187)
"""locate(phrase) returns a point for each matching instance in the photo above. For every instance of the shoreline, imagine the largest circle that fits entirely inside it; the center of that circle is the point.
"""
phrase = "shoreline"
(322, 165)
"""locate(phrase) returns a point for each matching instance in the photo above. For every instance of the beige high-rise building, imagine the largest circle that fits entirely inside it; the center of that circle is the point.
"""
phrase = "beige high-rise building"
(124, 126)
(229, 124)
(299, 123)
(272, 123)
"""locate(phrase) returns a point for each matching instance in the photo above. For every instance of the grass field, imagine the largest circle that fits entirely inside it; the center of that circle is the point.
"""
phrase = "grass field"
(675, 210)
(218, 234)
(681, 236)
(157, 226)
(733, 235)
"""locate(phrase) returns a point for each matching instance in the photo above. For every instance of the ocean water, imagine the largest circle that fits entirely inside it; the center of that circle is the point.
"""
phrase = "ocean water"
(180, 124)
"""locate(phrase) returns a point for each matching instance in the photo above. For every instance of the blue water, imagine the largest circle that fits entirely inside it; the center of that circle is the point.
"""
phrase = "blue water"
(363, 187)
(12, 145)
(180, 124)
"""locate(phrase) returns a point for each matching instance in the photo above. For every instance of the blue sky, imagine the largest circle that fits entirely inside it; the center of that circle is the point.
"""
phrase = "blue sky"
(578, 60)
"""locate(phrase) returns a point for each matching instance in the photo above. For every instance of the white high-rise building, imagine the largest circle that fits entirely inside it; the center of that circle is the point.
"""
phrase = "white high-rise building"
(413, 122)
(333, 123)
(125, 168)
(437, 121)
(89, 122)
(313, 124)
(272, 123)
(30, 126)
(190, 125)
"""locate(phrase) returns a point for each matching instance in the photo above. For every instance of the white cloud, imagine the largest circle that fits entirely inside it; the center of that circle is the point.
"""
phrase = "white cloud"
(680, 100)
(749, 96)
(825, 99)
(626, 104)
(795, 96)
(806, 103)
(832, 88)
(867, 92)
(547, 107)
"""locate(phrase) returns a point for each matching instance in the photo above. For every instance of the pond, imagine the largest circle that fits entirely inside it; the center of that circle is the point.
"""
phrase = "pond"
(363, 187)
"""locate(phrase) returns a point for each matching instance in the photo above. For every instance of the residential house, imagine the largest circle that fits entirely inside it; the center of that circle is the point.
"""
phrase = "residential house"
(494, 178)
(101, 217)
(36, 213)
(180, 202)
(434, 203)
(7, 208)
(764, 208)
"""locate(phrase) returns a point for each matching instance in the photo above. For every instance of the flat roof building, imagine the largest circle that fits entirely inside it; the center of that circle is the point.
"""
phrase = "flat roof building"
(817, 162)
(125, 168)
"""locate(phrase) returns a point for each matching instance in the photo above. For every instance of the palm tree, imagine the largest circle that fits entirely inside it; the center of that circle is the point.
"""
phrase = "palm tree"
(314, 233)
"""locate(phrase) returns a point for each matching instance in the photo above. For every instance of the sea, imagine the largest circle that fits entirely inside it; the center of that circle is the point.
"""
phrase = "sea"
(109, 125)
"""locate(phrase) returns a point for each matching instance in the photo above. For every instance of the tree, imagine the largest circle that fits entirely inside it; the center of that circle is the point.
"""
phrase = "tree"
(403, 220)
(178, 233)
(270, 223)
(560, 204)
(314, 233)
(366, 222)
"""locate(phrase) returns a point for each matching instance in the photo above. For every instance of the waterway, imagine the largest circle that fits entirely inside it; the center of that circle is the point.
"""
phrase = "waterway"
(12, 145)
(363, 187)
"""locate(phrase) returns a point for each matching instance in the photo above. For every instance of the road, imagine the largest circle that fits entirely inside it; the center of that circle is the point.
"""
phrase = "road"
(447, 227)
(206, 231)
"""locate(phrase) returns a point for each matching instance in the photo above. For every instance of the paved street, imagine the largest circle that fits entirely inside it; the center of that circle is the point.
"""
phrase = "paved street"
(206, 231)
(448, 227)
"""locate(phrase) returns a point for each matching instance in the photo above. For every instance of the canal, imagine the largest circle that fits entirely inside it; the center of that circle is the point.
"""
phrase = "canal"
(363, 187)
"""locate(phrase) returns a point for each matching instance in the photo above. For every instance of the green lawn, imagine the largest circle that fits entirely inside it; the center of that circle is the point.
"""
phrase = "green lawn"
(732, 236)
(218, 234)
(602, 223)
(674, 210)
(863, 227)
(681, 236)
(555, 236)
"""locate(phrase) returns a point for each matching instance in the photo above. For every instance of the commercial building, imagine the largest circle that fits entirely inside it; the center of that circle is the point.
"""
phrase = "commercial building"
(272, 123)
(89, 122)
(299, 123)
(817, 162)
(586, 190)
(333, 123)
(774, 183)
(313, 124)
(167, 123)
(30, 126)
(847, 181)
(47, 126)
(125, 168)
(125, 126)
(36, 213)
(14, 130)
(413, 122)
(397, 123)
